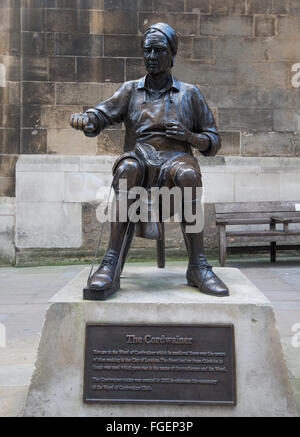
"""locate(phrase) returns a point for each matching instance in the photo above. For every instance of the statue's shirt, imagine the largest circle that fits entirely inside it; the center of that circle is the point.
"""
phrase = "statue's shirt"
(145, 116)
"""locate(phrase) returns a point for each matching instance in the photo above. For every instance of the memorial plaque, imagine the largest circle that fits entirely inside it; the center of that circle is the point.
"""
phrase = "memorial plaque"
(181, 364)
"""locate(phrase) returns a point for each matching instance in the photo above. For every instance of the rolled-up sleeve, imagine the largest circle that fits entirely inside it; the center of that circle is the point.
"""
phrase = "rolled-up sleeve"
(204, 123)
(112, 110)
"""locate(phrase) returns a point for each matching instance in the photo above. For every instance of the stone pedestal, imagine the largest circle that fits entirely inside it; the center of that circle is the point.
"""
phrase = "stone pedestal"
(152, 296)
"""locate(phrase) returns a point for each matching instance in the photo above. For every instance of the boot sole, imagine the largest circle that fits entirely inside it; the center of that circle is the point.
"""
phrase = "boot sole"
(210, 293)
(99, 293)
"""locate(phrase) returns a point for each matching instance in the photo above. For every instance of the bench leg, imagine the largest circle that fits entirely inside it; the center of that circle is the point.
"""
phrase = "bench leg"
(160, 253)
(272, 244)
(222, 245)
(273, 251)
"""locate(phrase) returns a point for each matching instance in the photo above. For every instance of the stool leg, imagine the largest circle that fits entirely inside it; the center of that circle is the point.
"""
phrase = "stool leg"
(273, 251)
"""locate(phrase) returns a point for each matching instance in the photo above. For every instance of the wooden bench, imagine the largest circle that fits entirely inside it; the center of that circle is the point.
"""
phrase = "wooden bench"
(256, 213)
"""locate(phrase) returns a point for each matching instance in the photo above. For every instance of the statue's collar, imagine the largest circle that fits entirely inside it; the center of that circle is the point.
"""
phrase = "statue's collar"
(174, 85)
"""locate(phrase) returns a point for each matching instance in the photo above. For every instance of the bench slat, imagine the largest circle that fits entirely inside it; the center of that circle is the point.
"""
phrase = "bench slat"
(239, 207)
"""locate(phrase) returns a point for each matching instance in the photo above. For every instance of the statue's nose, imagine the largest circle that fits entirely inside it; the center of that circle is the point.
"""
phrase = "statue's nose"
(152, 54)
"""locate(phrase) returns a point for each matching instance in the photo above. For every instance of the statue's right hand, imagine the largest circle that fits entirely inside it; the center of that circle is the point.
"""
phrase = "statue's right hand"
(81, 121)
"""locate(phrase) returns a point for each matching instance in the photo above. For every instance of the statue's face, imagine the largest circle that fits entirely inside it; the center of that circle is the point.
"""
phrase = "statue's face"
(157, 53)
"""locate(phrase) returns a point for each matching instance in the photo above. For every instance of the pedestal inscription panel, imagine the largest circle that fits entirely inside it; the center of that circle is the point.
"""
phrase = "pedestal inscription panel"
(160, 363)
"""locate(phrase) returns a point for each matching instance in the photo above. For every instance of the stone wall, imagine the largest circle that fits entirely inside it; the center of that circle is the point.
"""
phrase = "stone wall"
(74, 53)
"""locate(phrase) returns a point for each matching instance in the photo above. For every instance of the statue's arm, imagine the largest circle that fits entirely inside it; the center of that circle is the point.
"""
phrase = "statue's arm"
(206, 132)
(112, 110)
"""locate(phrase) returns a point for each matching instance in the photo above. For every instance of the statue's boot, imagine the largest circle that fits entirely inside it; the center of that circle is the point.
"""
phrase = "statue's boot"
(199, 273)
(106, 279)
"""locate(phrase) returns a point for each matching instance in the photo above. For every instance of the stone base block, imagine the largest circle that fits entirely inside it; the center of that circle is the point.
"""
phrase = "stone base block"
(152, 296)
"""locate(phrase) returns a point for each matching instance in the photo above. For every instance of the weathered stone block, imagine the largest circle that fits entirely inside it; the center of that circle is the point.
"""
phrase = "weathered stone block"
(204, 74)
(238, 7)
(280, 7)
(277, 97)
(168, 5)
(91, 4)
(64, 20)
(113, 22)
(111, 142)
(34, 68)
(57, 117)
(244, 49)
(9, 19)
(62, 69)
(294, 7)
(198, 6)
(9, 43)
(230, 143)
(78, 93)
(56, 224)
(100, 69)
(11, 116)
(220, 7)
(264, 25)
(40, 186)
(185, 47)
(78, 44)
(32, 19)
(108, 89)
(145, 5)
(31, 116)
(11, 67)
(267, 144)
(135, 68)
(34, 141)
(227, 25)
(284, 49)
(7, 186)
(38, 93)
(245, 119)
(186, 24)
(37, 44)
(7, 165)
(288, 26)
(260, 6)
(204, 49)
(286, 120)
(264, 74)
(70, 142)
(64, 4)
(120, 5)
(129, 47)
(9, 141)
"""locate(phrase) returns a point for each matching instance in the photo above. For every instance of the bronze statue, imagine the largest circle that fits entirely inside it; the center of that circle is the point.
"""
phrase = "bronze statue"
(164, 119)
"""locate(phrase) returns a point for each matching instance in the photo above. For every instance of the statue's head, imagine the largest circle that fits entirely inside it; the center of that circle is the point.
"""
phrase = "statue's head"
(160, 45)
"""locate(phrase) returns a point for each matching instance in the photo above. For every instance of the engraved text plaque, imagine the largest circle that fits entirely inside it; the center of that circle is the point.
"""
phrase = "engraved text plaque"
(160, 363)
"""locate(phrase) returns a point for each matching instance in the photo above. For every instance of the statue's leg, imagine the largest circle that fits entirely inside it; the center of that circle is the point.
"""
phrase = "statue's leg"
(199, 273)
(106, 279)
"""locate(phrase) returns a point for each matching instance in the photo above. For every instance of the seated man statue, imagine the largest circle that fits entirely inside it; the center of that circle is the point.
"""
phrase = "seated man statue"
(164, 119)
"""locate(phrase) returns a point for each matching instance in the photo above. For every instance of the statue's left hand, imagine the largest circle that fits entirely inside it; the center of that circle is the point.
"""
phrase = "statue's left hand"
(177, 131)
